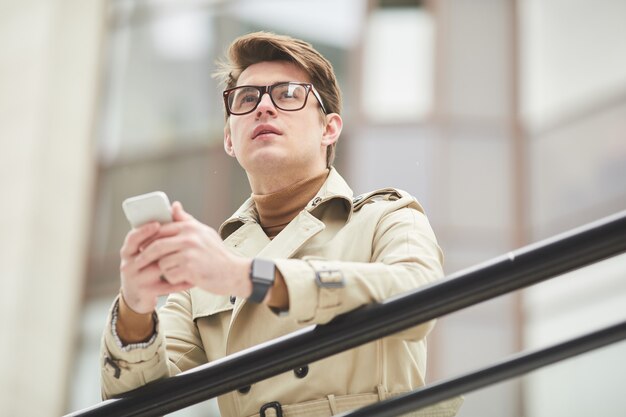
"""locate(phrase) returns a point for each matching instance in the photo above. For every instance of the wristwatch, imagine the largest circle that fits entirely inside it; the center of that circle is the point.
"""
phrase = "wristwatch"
(262, 275)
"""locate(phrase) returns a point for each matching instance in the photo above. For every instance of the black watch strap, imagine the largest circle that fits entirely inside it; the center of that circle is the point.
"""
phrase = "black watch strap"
(262, 275)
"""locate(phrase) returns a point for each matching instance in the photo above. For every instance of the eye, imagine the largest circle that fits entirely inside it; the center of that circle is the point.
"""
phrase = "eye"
(247, 95)
(248, 98)
(288, 92)
(244, 97)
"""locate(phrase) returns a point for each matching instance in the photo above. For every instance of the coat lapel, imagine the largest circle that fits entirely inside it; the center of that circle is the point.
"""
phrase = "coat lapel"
(302, 228)
(299, 231)
(248, 240)
(245, 236)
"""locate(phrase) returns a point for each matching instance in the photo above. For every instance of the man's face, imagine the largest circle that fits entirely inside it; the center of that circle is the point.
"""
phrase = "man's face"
(269, 138)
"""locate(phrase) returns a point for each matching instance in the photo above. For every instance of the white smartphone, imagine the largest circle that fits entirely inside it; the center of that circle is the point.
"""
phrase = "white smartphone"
(145, 208)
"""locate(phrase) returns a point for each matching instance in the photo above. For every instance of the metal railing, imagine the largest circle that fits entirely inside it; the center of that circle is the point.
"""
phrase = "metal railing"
(517, 269)
(502, 371)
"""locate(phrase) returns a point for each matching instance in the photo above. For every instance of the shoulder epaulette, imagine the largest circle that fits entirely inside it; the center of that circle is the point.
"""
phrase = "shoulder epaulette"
(383, 194)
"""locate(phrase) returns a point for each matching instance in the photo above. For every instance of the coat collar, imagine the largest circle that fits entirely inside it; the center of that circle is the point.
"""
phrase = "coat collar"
(243, 234)
(334, 189)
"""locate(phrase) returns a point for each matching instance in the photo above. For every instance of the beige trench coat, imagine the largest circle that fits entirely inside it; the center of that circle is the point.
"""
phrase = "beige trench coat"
(382, 245)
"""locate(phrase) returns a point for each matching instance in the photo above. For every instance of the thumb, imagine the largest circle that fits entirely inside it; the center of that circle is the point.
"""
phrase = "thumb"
(178, 212)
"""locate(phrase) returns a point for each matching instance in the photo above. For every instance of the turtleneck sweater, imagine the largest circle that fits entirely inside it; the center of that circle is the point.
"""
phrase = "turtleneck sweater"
(277, 209)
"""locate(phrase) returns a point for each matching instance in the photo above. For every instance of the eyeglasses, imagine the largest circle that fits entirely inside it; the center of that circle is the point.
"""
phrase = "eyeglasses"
(287, 96)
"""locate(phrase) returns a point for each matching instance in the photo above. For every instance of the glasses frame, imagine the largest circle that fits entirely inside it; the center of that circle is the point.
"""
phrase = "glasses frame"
(268, 89)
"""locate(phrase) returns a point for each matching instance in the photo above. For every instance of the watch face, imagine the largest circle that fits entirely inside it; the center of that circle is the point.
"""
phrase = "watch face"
(262, 269)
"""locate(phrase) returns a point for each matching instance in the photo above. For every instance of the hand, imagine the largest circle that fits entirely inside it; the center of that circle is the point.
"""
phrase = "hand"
(188, 252)
(141, 282)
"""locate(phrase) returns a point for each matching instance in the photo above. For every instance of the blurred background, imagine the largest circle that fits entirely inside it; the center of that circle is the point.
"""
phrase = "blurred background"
(505, 118)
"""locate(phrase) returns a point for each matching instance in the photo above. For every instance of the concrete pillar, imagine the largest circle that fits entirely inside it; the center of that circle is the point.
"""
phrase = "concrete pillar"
(49, 63)
(479, 187)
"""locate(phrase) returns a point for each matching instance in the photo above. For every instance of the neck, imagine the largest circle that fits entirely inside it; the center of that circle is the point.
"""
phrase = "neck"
(273, 181)
(277, 209)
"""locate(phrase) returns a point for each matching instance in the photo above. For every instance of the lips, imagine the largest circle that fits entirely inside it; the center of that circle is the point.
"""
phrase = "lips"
(265, 129)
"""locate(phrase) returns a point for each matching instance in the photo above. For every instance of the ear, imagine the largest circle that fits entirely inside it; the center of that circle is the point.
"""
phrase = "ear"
(228, 143)
(332, 129)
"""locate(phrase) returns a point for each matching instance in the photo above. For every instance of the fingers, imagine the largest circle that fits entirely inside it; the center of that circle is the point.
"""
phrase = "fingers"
(142, 289)
(159, 249)
(170, 262)
(136, 237)
(139, 278)
(140, 271)
(176, 268)
(179, 214)
(136, 287)
(167, 230)
(154, 250)
(177, 275)
(165, 288)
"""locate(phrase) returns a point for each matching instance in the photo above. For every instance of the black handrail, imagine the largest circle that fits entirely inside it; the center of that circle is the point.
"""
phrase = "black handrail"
(518, 269)
(518, 365)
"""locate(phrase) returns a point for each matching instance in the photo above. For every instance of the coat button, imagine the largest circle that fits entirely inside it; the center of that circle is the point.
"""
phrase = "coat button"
(244, 390)
(302, 371)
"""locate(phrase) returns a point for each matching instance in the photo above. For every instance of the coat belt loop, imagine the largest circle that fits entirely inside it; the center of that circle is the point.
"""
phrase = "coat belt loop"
(382, 392)
(332, 404)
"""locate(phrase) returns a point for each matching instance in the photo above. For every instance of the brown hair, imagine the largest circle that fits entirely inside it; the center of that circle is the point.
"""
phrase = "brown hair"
(264, 46)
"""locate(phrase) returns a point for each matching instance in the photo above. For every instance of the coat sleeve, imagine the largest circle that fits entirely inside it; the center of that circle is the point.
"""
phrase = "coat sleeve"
(405, 256)
(170, 353)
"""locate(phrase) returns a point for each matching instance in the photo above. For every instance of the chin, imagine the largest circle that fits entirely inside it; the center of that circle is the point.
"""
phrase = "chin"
(266, 159)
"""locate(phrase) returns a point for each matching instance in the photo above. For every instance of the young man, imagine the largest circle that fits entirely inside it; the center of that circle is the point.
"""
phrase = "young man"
(300, 251)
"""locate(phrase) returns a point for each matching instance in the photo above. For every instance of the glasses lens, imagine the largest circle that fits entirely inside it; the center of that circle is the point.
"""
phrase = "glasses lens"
(289, 96)
(243, 99)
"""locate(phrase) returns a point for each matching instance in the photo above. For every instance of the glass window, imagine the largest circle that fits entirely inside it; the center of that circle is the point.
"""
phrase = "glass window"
(397, 64)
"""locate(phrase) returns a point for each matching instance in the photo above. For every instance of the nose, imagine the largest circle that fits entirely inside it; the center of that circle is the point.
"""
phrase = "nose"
(265, 106)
